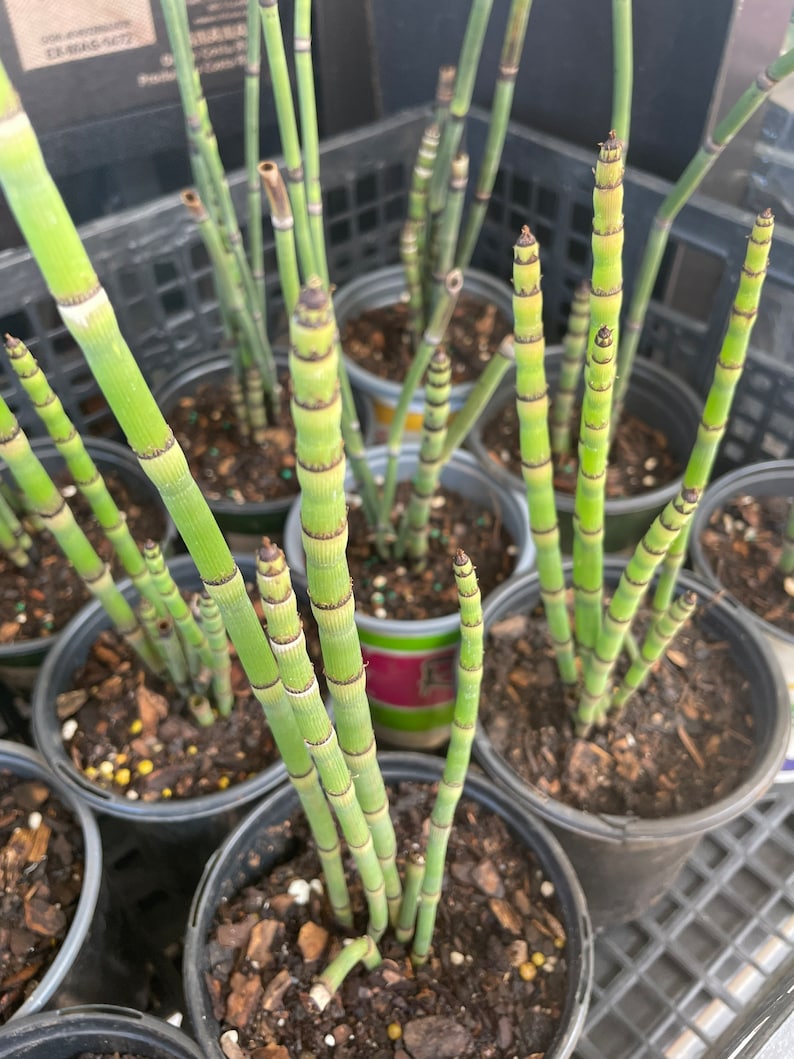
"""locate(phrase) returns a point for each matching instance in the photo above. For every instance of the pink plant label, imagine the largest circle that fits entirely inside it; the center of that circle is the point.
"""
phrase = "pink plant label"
(410, 680)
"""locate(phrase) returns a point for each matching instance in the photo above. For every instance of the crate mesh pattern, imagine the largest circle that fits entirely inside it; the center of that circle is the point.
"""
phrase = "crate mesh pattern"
(672, 982)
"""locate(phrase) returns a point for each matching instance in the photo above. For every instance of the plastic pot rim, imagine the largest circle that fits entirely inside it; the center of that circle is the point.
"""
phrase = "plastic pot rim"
(408, 765)
(46, 731)
(742, 479)
(36, 767)
(632, 829)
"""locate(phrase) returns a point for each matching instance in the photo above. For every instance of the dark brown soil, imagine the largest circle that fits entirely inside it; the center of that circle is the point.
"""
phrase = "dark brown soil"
(40, 600)
(640, 458)
(683, 742)
(41, 875)
(495, 984)
(743, 543)
(109, 1055)
(136, 736)
(386, 588)
(225, 464)
(379, 339)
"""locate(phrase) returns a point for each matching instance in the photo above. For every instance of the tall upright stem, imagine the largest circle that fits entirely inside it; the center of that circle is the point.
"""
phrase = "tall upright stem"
(253, 77)
(307, 105)
(623, 65)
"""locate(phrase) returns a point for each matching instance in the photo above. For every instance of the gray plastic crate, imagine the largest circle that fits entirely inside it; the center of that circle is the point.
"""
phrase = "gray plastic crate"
(695, 969)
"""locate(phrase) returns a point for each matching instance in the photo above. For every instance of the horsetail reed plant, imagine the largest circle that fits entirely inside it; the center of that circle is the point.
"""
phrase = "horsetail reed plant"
(587, 653)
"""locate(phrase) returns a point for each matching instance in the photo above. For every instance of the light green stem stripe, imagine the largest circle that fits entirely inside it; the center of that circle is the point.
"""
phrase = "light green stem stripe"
(623, 64)
(253, 75)
(574, 348)
(221, 667)
(307, 105)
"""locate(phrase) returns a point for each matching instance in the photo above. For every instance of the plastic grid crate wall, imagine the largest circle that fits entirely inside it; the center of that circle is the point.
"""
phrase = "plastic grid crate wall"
(156, 271)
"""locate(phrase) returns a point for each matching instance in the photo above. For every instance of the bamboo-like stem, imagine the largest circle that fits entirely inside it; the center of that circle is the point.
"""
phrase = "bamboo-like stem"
(445, 88)
(449, 226)
(15, 540)
(253, 77)
(85, 309)
(82, 468)
(212, 624)
(197, 649)
(432, 338)
(512, 47)
(171, 650)
(354, 443)
(361, 949)
(288, 131)
(47, 503)
(464, 721)
(254, 396)
(201, 709)
(283, 231)
(288, 643)
(414, 875)
(479, 396)
(307, 106)
(413, 532)
(316, 411)
(150, 620)
(623, 66)
(237, 393)
(574, 347)
(683, 189)
(727, 373)
(786, 562)
(412, 268)
(532, 402)
(452, 131)
(416, 223)
(606, 295)
(659, 637)
(202, 138)
(599, 664)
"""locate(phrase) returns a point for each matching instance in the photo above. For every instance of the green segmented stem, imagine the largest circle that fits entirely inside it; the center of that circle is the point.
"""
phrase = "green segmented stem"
(212, 624)
(606, 296)
(431, 339)
(599, 664)
(288, 643)
(452, 131)
(659, 637)
(479, 396)
(361, 949)
(413, 532)
(456, 765)
(354, 442)
(47, 503)
(532, 402)
(149, 619)
(623, 66)
(283, 232)
(727, 373)
(89, 317)
(253, 76)
(786, 562)
(412, 269)
(445, 88)
(414, 876)
(288, 131)
(201, 709)
(171, 650)
(683, 189)
(15, 540)
(449, 226)
(417, 220)
(82, 468)
(307, 106)
(210, 173)
(574, 347)
(197, 649)
(237, 395)
(316, 411)
(254, 396)
(512, 47)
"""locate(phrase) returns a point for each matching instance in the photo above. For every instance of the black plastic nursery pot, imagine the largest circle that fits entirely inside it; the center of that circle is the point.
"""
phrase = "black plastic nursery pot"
(411, 663)
(92, 963)
(772, 478)
(258, 844)
(20, 661)
(176, 834)
(98, 1029)
(386, 286)
(626, 863)
(655, 396)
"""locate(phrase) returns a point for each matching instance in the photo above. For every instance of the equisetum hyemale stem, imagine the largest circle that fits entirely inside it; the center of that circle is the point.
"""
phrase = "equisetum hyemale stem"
(316, 412)
(574, 347)
(464, 721)
(532, 402)
(414, 242)
(357, 950)
(253, 74)
(449, 226)
(659, 637)
(15, 540)
(727, 373)
(623, 65)
(482, 391)
(414, 875)
(212, 624)
(283, 231)
(307, 106)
